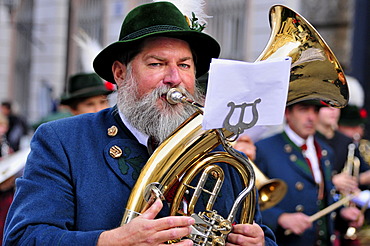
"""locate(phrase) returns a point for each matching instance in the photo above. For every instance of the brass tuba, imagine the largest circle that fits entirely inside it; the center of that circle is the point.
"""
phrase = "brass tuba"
(315, 74)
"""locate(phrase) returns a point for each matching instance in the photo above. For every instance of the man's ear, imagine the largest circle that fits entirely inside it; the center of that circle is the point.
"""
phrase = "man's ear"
(119, 72)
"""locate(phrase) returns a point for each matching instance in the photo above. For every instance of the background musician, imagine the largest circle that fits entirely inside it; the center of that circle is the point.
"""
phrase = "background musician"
(327, 130)
(304, 163)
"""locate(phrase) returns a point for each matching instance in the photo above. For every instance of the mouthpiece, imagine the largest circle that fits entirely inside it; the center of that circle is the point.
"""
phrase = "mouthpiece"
(174, 96)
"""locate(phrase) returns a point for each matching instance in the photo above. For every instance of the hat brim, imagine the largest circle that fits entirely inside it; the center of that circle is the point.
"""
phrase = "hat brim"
(88, 92)
(204, 46)
(308, 101)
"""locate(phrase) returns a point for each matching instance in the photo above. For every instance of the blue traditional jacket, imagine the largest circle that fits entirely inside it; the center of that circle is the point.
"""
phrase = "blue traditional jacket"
(278, 157)
(74, 187)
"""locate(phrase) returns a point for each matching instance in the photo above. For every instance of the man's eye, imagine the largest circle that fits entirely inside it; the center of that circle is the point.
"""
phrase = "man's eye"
(185, 65)
(157, 64)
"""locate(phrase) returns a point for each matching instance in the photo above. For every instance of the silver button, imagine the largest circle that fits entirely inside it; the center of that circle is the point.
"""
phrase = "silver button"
(324, 152)
(299, 208)
(293, 158)
(288, 148)
(299, 186)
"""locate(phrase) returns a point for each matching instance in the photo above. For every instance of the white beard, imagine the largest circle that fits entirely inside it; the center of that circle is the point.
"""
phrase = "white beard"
(150, 114)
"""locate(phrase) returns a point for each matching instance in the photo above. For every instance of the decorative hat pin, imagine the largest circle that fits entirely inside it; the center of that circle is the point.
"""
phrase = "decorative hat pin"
(193, 12)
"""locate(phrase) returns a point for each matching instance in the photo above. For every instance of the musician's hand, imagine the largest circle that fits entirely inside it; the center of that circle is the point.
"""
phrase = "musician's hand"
(145, 230)
(345, 183)
(353, 215)
(365, 178)
(246, 234)
(245, 144)
(295, 222)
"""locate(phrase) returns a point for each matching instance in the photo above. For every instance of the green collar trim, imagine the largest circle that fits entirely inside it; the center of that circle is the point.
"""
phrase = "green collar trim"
(300, 162)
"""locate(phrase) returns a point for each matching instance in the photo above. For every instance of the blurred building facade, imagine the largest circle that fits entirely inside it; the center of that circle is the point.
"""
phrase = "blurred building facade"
(39, 52)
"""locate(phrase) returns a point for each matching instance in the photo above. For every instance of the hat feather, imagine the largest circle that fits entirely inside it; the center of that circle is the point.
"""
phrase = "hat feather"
(89, 50)
(187, 7)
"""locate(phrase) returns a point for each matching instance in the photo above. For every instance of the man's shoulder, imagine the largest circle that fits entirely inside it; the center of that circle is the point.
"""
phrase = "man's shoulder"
(271, 140)
(338, 136)
(82, 121)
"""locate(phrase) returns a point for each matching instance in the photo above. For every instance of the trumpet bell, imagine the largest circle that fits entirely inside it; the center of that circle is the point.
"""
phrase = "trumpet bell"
(271, 192)
(315, 71)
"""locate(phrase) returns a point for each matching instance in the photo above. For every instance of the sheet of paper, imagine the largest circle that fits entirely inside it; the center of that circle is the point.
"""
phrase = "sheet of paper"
(257, 90)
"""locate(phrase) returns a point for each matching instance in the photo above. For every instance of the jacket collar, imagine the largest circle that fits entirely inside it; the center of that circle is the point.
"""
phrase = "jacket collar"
(123, 153)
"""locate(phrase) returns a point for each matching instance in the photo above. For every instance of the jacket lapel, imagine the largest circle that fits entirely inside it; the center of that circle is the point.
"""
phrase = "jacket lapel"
(123, 153)
(296, 157)
(126, 158)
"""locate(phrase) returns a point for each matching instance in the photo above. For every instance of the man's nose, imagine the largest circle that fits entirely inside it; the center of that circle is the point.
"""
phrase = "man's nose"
(313, 115)
(172, 76)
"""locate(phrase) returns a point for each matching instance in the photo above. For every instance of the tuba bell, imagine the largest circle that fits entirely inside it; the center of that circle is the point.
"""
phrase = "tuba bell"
(315, 71)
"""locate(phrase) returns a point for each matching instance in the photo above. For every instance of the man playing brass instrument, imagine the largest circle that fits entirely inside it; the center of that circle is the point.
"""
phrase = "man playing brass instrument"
(80, 171)
(303, 161)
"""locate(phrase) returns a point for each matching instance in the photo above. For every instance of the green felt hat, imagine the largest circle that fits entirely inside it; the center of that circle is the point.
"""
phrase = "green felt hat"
(156, 19)
(351, 115)
(84, 85)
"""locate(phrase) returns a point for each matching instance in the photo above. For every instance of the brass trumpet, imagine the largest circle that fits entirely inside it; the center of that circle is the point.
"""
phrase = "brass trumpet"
(352, 168)
(364, 148)
(352, 165)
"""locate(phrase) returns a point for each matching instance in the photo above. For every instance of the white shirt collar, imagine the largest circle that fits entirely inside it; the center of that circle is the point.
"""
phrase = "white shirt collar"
(310, 153)
(310, 142)
(294, 136)
(141, 137)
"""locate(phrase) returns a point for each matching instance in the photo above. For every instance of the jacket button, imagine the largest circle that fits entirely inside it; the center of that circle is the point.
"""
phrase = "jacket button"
(299, 208)
(112, 131)
(115, 151)
(324, 152)
(333, 215)
(333, 237)
(299, 186)
(288, 148)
